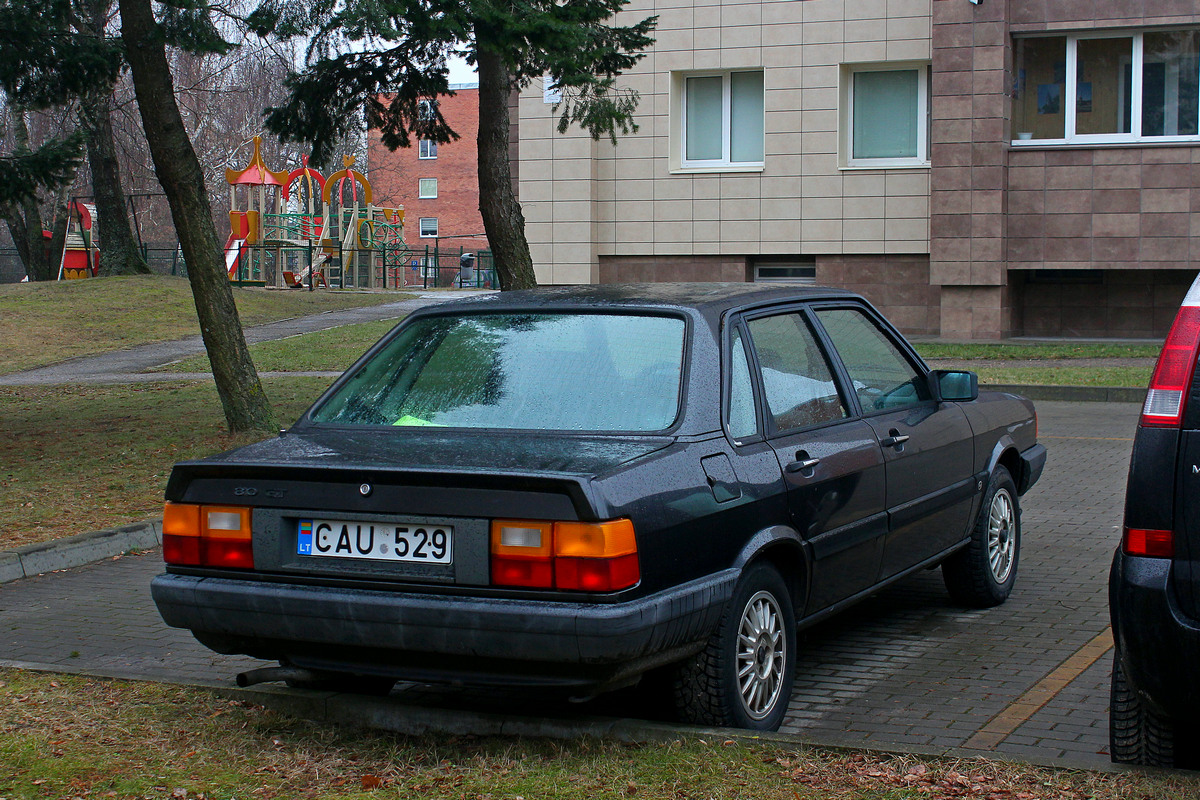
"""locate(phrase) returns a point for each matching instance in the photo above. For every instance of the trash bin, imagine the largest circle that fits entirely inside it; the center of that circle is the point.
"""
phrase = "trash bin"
(466, 270)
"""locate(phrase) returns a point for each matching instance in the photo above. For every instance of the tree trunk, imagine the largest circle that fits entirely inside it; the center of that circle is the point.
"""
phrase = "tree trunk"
(502, 217)
(119, 253)
(245, 404)
(25, 223)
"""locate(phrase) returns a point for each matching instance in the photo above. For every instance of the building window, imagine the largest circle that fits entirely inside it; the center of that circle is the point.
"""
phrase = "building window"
(1097, 89)
(427, 188)
(426, 109)
(885, 115)
(427, 148)
(721, 120)
(428, 227)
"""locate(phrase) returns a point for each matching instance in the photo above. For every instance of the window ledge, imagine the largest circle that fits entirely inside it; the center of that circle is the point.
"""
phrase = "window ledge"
(1062, 144)
(860, 167)
(720, 168)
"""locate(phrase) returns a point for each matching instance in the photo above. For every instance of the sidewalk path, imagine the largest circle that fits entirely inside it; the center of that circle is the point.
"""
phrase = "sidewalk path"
(128, 366)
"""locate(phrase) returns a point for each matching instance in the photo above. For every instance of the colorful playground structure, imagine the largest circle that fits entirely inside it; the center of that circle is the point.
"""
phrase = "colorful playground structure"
(299, 228)
(81, 249)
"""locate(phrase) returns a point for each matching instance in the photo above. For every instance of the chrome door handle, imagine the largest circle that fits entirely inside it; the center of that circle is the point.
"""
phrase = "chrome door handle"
(800, 466)
(894, 441)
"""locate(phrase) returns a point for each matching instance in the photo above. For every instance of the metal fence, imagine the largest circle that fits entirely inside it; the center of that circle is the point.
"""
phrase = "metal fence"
(442, 267)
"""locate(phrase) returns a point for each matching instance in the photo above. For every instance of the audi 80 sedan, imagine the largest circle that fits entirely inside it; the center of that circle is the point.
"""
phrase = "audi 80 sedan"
(578, 487)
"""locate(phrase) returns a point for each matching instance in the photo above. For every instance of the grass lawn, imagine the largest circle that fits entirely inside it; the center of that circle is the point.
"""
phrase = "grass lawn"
(1014, 351)
(64, 736)
(43, 323)
(1136, 377)
(81, 458)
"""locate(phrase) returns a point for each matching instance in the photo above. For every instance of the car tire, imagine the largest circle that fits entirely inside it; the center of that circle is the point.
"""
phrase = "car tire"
(755, 637)
(1136, 735)
(982, 574)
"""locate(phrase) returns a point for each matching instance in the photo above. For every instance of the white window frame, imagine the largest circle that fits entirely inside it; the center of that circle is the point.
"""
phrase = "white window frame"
(427, 149)
(424, 195)
(421, 227)
(1071, 95)
(679, 159)
(846, 139)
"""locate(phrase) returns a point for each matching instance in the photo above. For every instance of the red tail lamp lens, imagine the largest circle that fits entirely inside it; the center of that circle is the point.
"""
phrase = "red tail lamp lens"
(1148, 543)
(1167, 395)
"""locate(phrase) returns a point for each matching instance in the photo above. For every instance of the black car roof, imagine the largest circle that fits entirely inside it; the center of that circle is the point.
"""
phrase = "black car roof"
(707, 297)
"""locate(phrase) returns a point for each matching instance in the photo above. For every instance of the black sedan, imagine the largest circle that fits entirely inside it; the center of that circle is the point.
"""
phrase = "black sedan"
(577, 488)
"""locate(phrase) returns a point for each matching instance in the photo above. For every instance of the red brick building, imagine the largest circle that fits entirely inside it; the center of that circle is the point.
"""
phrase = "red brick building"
(437, 184)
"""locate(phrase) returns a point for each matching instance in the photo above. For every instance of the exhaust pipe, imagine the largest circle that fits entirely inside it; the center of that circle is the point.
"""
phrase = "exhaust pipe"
(264, 674)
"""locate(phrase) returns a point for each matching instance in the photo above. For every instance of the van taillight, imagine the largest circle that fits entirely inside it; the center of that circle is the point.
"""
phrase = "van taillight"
(1167, 395)
(207, 536)
(1149, 543)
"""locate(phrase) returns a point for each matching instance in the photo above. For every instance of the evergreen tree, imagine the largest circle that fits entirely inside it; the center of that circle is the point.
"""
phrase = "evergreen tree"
(390, 56)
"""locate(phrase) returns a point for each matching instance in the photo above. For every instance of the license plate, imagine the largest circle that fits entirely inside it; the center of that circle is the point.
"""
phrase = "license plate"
(409, 542)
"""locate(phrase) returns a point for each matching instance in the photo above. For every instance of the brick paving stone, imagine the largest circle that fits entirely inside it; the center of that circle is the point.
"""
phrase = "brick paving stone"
(904, 668)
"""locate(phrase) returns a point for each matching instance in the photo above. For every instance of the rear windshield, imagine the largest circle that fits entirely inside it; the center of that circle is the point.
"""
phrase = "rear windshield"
(580, 372)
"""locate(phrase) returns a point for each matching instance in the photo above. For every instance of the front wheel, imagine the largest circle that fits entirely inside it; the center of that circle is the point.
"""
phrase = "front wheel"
(743, 677)
(982, 574)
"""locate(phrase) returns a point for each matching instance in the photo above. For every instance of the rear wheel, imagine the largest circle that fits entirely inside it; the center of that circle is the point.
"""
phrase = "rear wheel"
(1136, 735)
(743, 677)
(982, 574)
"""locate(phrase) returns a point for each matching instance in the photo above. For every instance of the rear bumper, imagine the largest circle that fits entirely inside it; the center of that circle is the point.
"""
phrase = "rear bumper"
(430, 637)
(1033, 461)
(1159, 645)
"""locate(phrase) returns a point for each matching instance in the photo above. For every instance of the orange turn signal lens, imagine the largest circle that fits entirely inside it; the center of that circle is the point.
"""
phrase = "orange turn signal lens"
(594, 540)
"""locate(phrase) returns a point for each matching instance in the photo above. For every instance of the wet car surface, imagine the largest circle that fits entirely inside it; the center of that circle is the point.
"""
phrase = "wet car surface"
(583, 488)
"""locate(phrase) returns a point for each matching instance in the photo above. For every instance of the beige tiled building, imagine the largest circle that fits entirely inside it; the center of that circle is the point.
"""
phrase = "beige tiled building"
(978, 170)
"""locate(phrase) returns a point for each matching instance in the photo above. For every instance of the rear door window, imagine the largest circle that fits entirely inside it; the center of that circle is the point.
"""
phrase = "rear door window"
(796, 377)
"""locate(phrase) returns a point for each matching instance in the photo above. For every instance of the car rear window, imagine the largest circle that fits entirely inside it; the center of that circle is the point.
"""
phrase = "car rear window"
(540, 371)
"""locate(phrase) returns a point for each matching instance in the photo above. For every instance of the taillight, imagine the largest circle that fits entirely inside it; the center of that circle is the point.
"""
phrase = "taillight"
(207, 536)
(1167, 394)
(590, 557)
(1149, 543)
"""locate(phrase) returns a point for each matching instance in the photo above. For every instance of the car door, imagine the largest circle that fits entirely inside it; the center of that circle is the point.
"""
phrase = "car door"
(831, 462)
(927, 445)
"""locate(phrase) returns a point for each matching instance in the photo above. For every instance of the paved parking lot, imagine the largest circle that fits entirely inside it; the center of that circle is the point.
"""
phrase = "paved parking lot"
(906, 668)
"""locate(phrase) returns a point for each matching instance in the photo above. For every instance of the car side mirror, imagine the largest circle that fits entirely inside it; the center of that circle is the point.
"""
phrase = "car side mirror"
(956, 385)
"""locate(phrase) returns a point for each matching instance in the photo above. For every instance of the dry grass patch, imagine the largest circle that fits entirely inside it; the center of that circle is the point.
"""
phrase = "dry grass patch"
(44, 323)
(63, 736)
(80, 458)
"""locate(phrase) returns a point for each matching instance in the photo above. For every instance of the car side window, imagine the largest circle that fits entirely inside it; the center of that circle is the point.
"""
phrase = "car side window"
(796, 377)
(883, 378)
(743, 418)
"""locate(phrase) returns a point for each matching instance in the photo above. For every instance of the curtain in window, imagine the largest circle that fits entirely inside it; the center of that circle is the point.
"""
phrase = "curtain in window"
(704, 123)
(746, 117)
(885, 114)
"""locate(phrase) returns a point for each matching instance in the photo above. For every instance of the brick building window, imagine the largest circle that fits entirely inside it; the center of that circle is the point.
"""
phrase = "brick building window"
(885, 115)
(427, 148)
(427, 188)
(428, 227)
(1099, 88)
(720, 119)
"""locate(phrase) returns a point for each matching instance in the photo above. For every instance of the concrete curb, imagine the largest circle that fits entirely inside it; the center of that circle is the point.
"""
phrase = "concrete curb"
(1076, 394)
(75, 551)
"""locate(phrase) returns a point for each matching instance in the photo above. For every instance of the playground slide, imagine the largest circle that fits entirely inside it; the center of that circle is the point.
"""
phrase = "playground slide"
(233, 247)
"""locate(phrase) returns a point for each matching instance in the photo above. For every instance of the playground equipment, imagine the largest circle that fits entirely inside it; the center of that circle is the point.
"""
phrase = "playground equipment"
(300, 227)
(81, 250)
